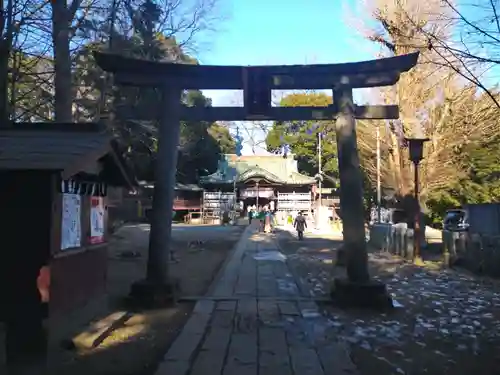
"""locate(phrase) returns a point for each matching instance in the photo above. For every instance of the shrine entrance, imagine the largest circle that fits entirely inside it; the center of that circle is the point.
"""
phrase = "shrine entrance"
(254, 194)
(257, 82)
(258, 202)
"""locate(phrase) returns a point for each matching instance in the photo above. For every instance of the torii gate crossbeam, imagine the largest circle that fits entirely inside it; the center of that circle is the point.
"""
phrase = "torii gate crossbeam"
(257, 82)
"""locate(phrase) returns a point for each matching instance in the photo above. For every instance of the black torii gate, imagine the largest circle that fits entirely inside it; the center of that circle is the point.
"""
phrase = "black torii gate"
(257, 82)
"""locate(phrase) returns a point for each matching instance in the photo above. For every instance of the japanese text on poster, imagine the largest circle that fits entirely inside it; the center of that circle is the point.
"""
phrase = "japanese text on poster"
(96, 220)
(70, 225)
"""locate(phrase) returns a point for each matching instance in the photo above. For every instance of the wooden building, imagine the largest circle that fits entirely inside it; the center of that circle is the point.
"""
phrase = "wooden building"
(259, 180)
(53, 190)
(188, 199)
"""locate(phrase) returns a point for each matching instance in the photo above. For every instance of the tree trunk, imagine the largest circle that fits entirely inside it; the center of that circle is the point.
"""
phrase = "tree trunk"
(4, 83)
(6, 37)
(351, 188)
(4, 62)
(63, 95)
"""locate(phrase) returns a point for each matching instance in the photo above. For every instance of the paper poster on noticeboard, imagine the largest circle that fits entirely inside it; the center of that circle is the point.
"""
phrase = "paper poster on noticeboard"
(96, 220)
(70, 224)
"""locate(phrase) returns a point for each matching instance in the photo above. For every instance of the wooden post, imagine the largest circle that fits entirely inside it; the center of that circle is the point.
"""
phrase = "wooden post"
(163, 198)
(351, 187)
(416, 228)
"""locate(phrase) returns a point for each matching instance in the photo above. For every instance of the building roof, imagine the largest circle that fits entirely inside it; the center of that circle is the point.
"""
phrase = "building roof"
(274, 168)
(187, 187)
(68, 148)
(178, 186)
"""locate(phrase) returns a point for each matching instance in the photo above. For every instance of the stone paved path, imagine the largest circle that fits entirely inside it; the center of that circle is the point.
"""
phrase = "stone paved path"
(256, 321)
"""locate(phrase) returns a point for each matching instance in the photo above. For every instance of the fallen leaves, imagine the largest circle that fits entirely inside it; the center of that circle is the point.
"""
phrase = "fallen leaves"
(443, 320)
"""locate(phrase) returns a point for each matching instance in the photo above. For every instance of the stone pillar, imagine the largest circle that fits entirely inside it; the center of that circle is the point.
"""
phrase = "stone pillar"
(158, 288)
(351, 188)
(163, 198)
(357, 290)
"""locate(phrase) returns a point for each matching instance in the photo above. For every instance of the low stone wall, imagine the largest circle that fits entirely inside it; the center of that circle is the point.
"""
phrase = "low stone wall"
(379, 235)
(477, 253)
(396, 239)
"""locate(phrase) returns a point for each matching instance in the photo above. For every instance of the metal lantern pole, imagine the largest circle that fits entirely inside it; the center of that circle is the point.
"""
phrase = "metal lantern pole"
(417, 211)
(234, 196)
(379, 190)
(416, 230)
(319, 171)
(257, 198)
(416, 146)
(239, 148)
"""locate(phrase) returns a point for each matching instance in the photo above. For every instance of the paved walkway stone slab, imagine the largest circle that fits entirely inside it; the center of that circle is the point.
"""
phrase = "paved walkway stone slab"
(256, 320)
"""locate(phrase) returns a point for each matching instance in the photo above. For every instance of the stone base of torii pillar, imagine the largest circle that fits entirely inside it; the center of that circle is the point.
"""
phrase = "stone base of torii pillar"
(149, 295)
(372, 294)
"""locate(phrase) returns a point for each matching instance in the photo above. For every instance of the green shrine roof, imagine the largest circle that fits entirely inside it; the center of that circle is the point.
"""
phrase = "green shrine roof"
(273, 168)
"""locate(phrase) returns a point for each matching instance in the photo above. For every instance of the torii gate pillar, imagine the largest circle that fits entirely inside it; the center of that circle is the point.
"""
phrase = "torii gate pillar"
(358, 289)
(351, 198)
(158, 288)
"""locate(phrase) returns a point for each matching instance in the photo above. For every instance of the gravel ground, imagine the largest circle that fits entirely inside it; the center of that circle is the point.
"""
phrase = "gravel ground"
(446, 321)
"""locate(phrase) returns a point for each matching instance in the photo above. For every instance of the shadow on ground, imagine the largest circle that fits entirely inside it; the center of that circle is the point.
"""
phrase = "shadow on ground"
(137, 345)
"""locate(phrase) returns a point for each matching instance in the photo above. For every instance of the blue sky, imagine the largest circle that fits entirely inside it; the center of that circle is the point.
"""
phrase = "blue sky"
(287, 32)
(260, 32)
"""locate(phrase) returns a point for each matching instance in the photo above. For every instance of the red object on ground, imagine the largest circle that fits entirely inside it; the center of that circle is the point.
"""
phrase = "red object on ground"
(43, 283)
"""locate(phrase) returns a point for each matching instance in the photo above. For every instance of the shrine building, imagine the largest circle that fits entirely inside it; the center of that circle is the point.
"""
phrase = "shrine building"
(242, 181)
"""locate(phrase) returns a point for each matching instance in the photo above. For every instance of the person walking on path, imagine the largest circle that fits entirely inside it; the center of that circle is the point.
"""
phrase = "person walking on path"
(300, 225)
(250, 214)
(261, 215)
(268, 218)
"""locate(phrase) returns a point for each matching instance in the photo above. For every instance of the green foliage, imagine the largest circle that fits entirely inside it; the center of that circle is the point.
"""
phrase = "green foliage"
(199, 150)
(139, 32)
(438, 203)
(479, 156)
(302, 136)
(480, 185)
(201, 143)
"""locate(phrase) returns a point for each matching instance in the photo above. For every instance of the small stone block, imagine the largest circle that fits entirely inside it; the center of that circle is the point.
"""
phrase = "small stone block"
(288, 308)
(204, 307)
(372, 294)
(341, 257)
(173, 367)
(226, 306)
